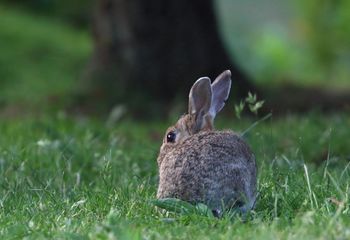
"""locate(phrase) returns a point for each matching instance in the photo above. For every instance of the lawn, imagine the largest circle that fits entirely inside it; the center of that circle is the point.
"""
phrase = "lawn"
(66, 177)
(71, 178)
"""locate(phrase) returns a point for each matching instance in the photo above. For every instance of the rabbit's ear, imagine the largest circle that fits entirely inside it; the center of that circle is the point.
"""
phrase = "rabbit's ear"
(200, 100)
(220, 92)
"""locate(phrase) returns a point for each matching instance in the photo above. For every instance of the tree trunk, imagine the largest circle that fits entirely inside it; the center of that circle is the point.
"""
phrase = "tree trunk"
(155, 50)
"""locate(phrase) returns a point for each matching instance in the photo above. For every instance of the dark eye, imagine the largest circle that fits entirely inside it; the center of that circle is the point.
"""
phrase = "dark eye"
(170, 137)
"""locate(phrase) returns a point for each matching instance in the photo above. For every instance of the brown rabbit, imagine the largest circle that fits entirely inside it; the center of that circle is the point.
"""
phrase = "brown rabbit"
(201, 165)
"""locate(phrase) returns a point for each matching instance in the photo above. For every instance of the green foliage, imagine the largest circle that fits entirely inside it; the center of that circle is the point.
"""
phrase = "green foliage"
(303, 42)
(327, 29)
(251, 101)
(40, 61)
(77, 12)
(239, 108)
(182, 207)
(66, 178)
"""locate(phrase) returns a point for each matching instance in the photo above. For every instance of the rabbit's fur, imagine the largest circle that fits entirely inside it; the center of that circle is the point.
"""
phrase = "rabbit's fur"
(199, 164)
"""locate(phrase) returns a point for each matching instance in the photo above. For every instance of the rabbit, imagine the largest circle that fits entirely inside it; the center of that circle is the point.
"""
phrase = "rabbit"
(201, 165)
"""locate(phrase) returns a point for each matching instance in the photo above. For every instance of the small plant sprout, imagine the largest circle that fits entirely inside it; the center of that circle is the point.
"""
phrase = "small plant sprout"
(253, 105)
(239, 108)
(251, 101)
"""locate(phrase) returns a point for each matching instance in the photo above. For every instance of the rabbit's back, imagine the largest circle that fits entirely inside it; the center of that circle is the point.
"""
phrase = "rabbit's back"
(213, 167)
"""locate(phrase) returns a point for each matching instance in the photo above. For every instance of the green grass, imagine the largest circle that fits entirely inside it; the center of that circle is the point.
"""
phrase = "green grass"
(76, 179)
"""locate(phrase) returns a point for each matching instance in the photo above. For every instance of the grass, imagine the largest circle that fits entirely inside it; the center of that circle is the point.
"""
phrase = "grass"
(75, 179)
(71, 178)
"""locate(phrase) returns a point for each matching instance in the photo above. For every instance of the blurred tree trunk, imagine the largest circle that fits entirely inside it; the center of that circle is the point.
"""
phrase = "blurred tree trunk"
(155, 50)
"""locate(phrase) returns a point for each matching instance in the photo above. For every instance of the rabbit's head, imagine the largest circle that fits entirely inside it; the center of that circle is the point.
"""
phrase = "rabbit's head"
(205, 101)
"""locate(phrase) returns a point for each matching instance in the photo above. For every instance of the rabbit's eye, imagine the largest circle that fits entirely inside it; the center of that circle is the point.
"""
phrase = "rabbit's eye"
(170, 137)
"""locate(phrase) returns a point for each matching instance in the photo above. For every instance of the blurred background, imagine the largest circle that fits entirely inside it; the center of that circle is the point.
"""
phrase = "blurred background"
(91, 56)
